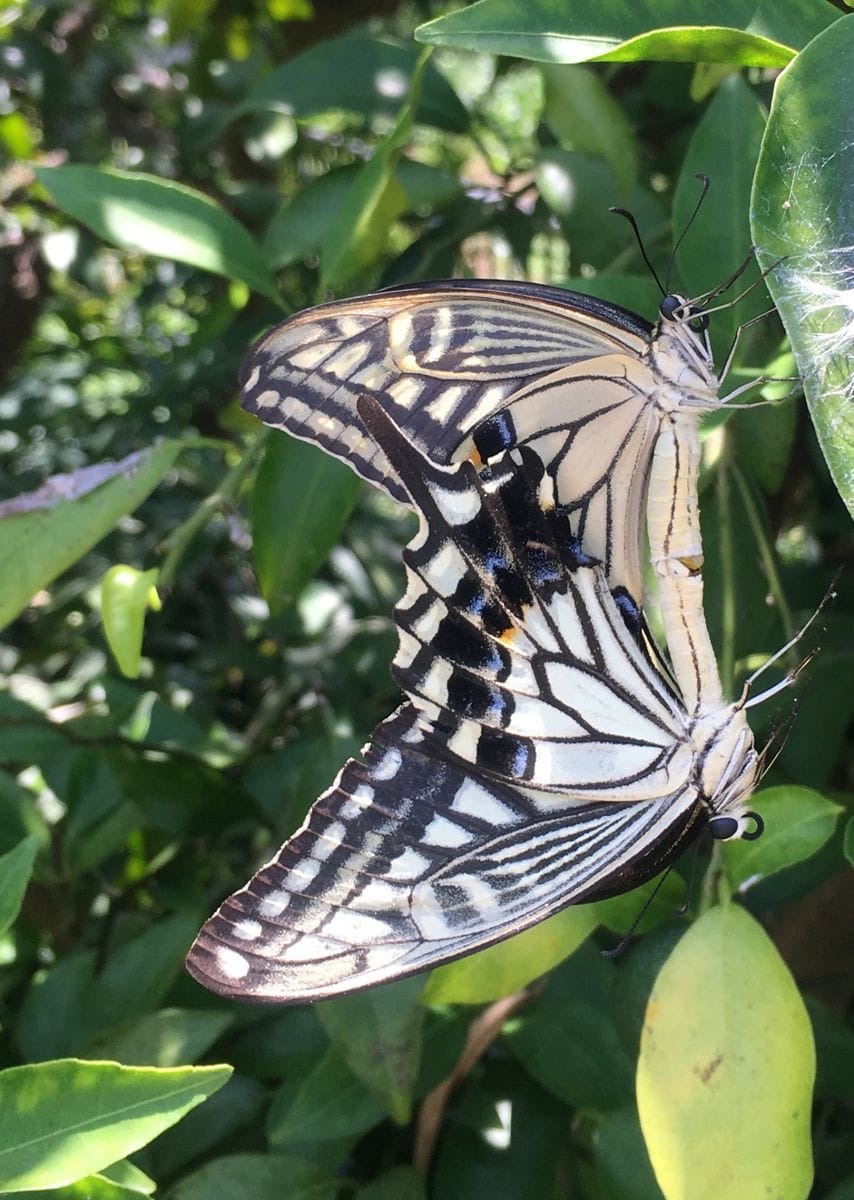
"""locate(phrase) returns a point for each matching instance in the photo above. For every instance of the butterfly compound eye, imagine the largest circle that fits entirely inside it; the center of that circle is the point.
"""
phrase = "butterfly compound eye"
(669, 306)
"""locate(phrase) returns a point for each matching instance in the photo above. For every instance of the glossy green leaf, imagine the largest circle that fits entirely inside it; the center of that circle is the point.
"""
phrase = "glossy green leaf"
(376, 198)
(848, 841)
(328, 1102)
(120, 1181)
(726, 1068)
(358, 73)
(802, 212)
(740, 32)
(798, 822)
(724, 147)
(583, 116)
(508, 966)
(257, 1177)
(378, 1035)
(154, 216)
(64, 1119)
(91, 1187)
(301, 501)
(16, 867)
(172, 1037)
(126, 595)
(300, 227)
(45, 531)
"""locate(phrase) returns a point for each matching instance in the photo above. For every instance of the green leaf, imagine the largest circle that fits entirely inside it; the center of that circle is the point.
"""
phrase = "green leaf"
(16, 867)
(238, 1105)
(508, 966)
(374, 201)
(300, 227)
(301, 501)
(120, 1181)
(798, 822)
(583, 116)
(848, 841)
(726, 1067)
(257, 1177)
(744, 33)
(45, 531)
(619, 1165)
(126, 595)
(172, 1037)
(801, 211)
(140, 212)
(566, 1039)
(360, 74)
(378, 1035)
(400, 1183)
(643, 908)
(64, 1119)
(724, 146)
(328, 1102)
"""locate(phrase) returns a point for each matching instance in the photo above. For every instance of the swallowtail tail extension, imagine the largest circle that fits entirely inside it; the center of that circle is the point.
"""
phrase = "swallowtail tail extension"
(541, 758)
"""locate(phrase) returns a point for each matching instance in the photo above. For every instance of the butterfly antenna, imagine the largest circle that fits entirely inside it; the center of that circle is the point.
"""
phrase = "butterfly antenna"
(624, 212)
(779, 736)
(704, 181)
(629, 934)
(792, 675)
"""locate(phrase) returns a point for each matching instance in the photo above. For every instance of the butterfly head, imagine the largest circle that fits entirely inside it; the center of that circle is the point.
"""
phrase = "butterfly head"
(681, 356)
(728, 770)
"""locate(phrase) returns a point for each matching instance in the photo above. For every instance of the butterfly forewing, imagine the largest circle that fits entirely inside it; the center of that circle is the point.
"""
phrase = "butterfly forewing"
(470, 368)
(540, 761)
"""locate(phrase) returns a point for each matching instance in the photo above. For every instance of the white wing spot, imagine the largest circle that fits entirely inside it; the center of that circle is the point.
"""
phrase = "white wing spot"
(232, 964)
(389, 764)
(458, 508)
(274, 903)
(247, 930)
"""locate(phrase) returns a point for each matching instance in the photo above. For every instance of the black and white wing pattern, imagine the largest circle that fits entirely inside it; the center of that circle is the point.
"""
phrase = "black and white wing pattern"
(541, 758)
(471, 368)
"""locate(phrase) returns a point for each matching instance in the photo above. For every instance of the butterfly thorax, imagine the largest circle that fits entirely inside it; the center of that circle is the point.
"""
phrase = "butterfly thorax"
(727, 764)
(680, 358)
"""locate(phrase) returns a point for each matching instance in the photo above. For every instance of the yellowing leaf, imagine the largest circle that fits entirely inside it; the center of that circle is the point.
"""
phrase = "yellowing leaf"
(726, 1068)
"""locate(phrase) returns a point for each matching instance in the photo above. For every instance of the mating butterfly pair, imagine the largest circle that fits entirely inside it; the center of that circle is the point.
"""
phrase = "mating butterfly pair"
(546, 754)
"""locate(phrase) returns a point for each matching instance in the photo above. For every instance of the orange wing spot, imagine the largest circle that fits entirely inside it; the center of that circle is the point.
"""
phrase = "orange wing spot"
(508, 636)
(474, 457)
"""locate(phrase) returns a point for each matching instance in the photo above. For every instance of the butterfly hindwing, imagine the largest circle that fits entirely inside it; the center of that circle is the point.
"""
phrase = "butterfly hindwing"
(519, 778)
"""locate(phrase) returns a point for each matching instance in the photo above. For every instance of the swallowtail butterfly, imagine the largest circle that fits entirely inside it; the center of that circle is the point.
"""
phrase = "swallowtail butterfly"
(468, 369)
(541, 758)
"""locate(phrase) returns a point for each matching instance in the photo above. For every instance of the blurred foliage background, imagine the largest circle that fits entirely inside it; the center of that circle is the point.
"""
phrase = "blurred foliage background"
(150, 794)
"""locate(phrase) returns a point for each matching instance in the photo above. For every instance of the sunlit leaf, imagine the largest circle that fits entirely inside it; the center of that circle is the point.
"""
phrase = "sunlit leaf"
(65, 1119)
(726, 1067)
(44, 532)
(504, 968)
(738, 31)
(801, 213)
(159, 217)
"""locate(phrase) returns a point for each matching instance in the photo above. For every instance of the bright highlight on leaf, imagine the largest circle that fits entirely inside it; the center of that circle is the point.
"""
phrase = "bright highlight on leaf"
(726, 1068)
(65, 1119)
